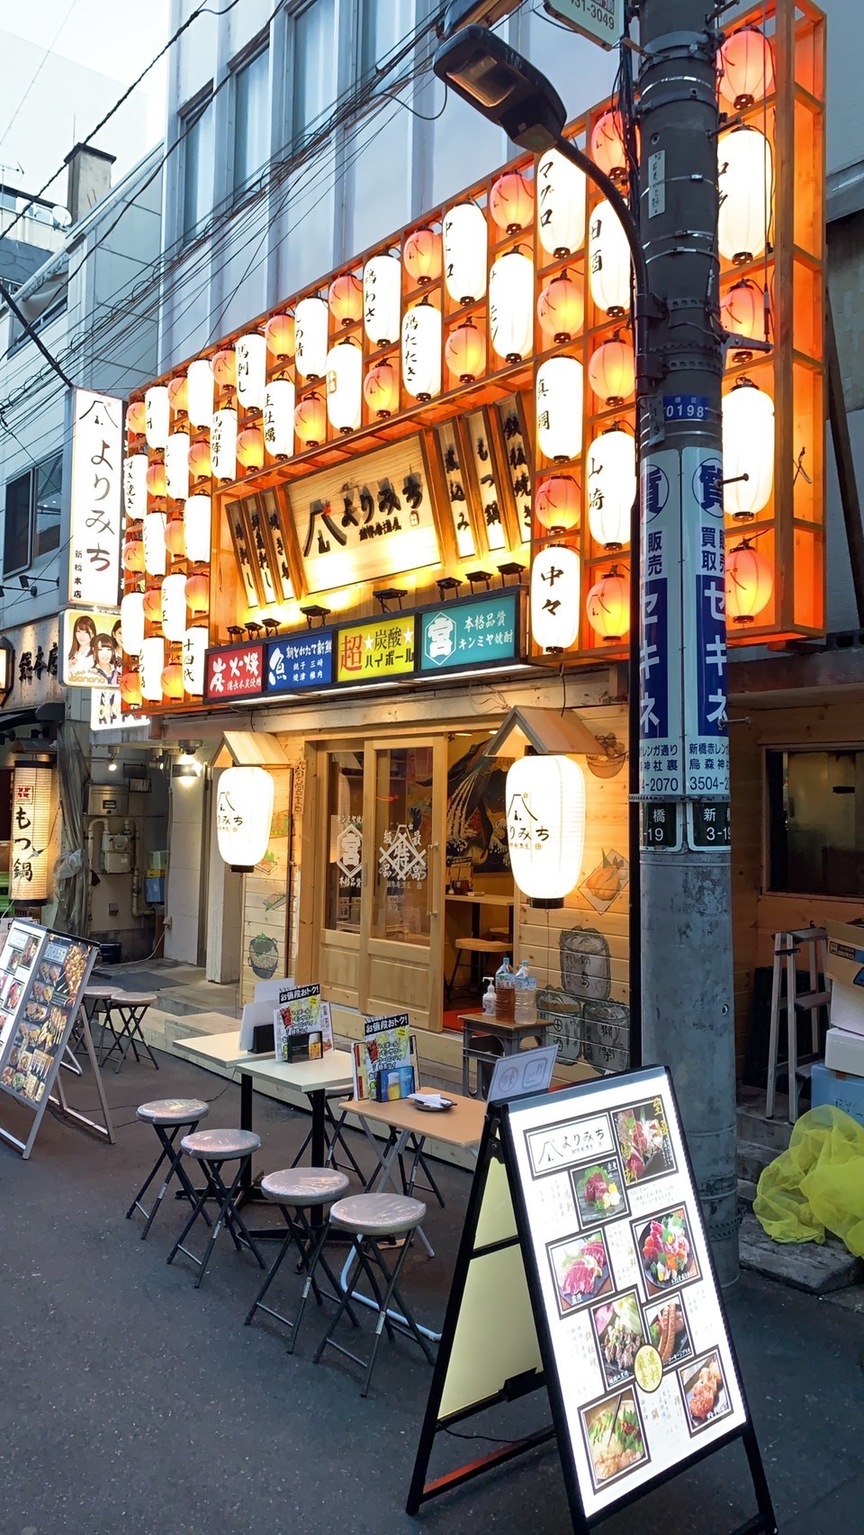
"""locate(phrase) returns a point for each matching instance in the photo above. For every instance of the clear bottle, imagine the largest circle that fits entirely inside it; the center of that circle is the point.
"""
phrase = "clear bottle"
(489, 997)
(525, 994)
(505, 994)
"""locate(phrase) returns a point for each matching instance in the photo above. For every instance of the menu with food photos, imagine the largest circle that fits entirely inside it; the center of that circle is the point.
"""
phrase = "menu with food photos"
(44, 1013)
(18, 959)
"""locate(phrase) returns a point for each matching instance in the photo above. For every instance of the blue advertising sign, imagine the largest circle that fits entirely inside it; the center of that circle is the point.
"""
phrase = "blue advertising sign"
(706, 740)
(300, 661)
(459, 635)
(661, 768)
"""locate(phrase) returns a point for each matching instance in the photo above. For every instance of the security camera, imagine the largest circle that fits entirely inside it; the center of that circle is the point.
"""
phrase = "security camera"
(465, 13)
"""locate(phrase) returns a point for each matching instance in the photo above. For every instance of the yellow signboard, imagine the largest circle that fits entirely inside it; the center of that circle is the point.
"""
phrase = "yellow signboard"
(376, 650)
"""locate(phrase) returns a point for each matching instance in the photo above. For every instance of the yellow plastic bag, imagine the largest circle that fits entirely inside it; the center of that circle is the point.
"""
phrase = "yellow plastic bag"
(817, 1184)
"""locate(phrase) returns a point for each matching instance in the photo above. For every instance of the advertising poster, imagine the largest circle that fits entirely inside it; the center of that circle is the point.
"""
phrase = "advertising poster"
(91, 648)
(301, 1025)
(46, 1011)
(382, 1064)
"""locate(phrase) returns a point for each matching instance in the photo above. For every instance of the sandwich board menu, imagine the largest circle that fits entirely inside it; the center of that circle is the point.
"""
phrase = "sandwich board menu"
(17, 963)
(302, 1027)
(584, 1227)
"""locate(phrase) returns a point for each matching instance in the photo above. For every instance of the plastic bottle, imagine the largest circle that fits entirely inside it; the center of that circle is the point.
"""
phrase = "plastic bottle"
(489, 997)
(525, 994)
(505, 994)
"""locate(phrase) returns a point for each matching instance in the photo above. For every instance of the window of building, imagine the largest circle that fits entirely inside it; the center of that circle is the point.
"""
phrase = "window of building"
(383, 28)
(314, 72)
(32, 526)
(816, 821)
(251, 117)
(196, 125)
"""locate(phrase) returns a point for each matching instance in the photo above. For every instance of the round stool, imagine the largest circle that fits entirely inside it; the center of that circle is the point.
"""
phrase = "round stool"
(296, 1190)
(211, 1150)
(130, 1006)
(168, 1115)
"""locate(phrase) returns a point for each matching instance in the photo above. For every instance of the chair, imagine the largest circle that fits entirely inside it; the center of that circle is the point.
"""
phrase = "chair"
(212, 1149)
(295, 1191)
(473, 947)
(334, 1133)
(168, 1116)
(131, 1007)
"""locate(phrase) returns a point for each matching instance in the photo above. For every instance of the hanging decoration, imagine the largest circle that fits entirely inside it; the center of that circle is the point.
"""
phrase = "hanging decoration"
(310, 421)
(154, 543)
(745, 67)
(130, 690)
(560, 205)
(153, 605)
(196, 526)
(177, 466)
(612, 371)
(178, 394)
(156, 481)
(558, 504)
(223, 444)
(465, 236)
(197, 593)
(611, 486)
(511, 306)
(152, 666)
(310, 337)
(744, 311)
(608, 606)
(251, 364)
(382, 299)
(422, 256)
(244, 815)
(555, 583)
(157, 416)
(345, 386)
(558, 401)
(560, 308)
(511, 202)
(175, 538)
(608, 261)
(225, 370)
(607, 147)
(172, 681)
(749, 584)
(465, 351)
(279, 402)
(132, 622)
(199, 461)
(136, 418)
(745, 181)
(250, 449)
(199, 392)
(748, 450)
(545, 807)
(195, 642)
(421, 350)
(135, 486)
(345, 297)
(279, 337)
(381, 389)
(133, 555)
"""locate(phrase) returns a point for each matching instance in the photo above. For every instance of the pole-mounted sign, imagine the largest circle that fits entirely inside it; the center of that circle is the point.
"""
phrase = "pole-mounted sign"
(600, 20)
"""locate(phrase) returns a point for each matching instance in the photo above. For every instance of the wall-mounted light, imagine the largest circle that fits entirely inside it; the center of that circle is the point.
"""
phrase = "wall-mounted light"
(545, 806)
(244, 815)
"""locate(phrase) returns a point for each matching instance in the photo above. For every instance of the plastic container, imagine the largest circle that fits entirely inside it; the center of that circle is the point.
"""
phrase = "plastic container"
(505, 992)
(489, 997)
(524, 995)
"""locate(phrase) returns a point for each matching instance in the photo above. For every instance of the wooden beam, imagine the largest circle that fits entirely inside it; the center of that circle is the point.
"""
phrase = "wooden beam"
(849, 498)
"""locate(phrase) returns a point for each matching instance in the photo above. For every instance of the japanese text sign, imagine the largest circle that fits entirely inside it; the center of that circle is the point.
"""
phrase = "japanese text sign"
(706, 740)
(660, 702)
(32, 802)
(375, 651)
(300, 661)
(468, 634)
(95, 499)
(235, 672)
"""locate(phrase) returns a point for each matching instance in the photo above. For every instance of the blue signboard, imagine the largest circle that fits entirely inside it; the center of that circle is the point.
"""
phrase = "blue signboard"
(300, 661)
(462, 635)
(660, 704)
(706, 740)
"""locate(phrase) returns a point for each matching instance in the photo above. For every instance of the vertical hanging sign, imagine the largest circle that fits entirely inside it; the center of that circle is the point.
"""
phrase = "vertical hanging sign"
(32, 798)
(706, 739)
(661, 754)
(95, 499)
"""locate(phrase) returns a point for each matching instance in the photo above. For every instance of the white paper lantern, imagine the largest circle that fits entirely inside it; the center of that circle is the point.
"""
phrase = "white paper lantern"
(177, 466)
(157, 416)
(745, 180)
(199, 391)
(558, 398)
(152, 666)
(244, 814)
(611, 483)
(132, 622)
(345, 386)
(279, 402)
(250, 354)
(511, 306)
(465, 236)
(135, 486)
(195, 643)
(608, 260)
(382, 299)
(154, 543)
(555, 582)
(545, 804)
(421, 351)
(196, 527)
(174, 608)
(560, 204)
(33, 811)
(748, 450)
(223, 444)
(311, 318)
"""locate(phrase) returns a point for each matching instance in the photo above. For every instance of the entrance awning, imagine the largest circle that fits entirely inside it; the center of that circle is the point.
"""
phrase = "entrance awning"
(47, 715)
(254, 749)
(546, 731)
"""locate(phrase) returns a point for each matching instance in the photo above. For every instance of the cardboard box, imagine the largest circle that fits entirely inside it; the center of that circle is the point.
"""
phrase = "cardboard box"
(839, 1090)
(844, 1051)
(845, 969)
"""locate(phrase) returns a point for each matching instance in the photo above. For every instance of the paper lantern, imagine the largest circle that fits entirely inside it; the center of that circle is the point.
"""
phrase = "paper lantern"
(558, 400)
(225, 369)
(172, 680)
(132, 622)
(133, 555)
(744, 312)
(157, 416)
(381, 389)
(153, 606)
(175, 538)
(136, 418)
(130, 690)
(545, 807)
(197, 515)
(382, 299)
(345, 297)
(745, 65)
(611, 486)
(152, 666)
(156, 481)
(279, 336)
(200, 467)
(560, 204)
(195, 642)
(560, 308)
(199, 392)
(749, 584)
(311, 319)
(465, 235)
(135, 486)
(278, 419)
(607, 147)
(223, 444)
(608, 606)
(422, 256)
(154, 543)
(250, 352)
(465, 352)
(511, 202)
(558, 503)
(174, 607)
(421, 351)
(310, 421)
(555, 582)
(511, 306)
(748, 450)
(612, 371)
(250, 448)
(608, 260)
(177, 466)
(30, 865)
(244, 814)
(345, 386)
(745, 179)
(178, 394)
(197, 593)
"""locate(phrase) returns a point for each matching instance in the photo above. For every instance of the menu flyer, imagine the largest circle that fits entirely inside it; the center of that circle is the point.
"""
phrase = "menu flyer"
(46, 1009)
(302, 1026)
(642, 1353)
(17, 961)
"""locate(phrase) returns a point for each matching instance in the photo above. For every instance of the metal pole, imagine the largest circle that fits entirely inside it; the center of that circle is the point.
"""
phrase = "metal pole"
(687, 990)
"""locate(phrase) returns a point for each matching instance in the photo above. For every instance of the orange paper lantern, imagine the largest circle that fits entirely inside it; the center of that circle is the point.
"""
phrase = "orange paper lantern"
(175, 538)
(199, 461)
(743, 310)
(279, 335)
(172, 680)
(178, 394)
(346, 299)
(381, 389)
(511, 202)
(130, 689)
(153, 604)
(745, 65)
(225, 368)
(558, 503)
(250, 447)
(612, 371)
(560, 308)
(136, 418)
(422, 256)
(465, 352)
(608, 606)
(157, 485)
(133, 555)
(607, 146)
(310, 421)
(197, 593)
(749, 584)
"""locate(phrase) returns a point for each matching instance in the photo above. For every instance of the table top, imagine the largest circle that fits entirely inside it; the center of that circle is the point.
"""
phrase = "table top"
(480, 1021)
(216, 1049)
(483, 898)
(331, 1071)
(460, 1126)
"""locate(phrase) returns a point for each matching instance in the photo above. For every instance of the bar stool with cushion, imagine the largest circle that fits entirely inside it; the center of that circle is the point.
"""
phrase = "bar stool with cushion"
(296, 1190)
(130, 1007)
(168, 1116)
(496, 948)
(334, 1132)
(212, 1149)
(370, 1220)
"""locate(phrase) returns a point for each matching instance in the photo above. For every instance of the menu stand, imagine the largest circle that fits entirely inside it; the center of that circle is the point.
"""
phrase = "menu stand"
(69, 1063)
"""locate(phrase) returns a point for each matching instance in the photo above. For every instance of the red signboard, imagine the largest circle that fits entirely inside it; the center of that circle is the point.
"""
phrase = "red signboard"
(237, 671)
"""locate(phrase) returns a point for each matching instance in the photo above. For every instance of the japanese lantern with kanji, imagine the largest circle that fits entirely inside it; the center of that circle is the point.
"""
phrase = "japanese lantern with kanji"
(560, 204)
(251, 355)
(558, 404)
(611, 486)
(511, 305)
(421, 350)
(465, 236)
(382, 299)
(545, 806)
(555, 582)
(608, 260)
(310, 337)
(344, 386)
(278, 419)
(244, 814)
(196, 524)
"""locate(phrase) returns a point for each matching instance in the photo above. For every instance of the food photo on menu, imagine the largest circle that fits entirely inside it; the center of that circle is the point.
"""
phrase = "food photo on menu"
(580, 1269)
(599, 1191)
(666, 1252)
(620, 1333)
(669, 1332)
(703, 1389)
(644, 1142)
(614, 1436)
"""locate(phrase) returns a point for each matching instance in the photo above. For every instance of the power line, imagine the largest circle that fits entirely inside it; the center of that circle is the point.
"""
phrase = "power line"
(39, 67)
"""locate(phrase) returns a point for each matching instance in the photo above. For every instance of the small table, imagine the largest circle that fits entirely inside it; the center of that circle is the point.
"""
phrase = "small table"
(313, 1078)
(510, 1035)
(223, 1050)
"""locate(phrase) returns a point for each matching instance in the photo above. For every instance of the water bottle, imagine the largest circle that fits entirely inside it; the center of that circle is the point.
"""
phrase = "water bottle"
(489, 998)
(525, 994)
(505, 994)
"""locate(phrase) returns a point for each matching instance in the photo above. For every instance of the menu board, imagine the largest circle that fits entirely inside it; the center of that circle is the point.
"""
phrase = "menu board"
(46, 1009)
(302, 1025)
(17, 962)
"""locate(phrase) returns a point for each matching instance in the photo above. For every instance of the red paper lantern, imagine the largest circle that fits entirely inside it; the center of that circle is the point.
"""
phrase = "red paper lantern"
(346, 299)
(608, 606)
(279, 335)
(178, 394)
(197, 593)
(133, 555)
(130, 689)
(172, 680)
(422, 256)
(225, 368)
(607, 146)
(175, 538)
(511, 202)
(310, 421)
(612, 371)
(157, 485)
(136, 418)
(561, 308)
(381, 389)
(743, 311)
(250, 448)
(199, 460)
(558, 503)
(465, 351)
(749, 583)
(745, 65)
(153, 604)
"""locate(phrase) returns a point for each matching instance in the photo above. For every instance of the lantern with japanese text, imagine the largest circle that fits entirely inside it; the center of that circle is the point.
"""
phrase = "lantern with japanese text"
(33, 817)
(382, 299)
(345, 297)
(612, 371)
(178, 394)
(345, 386)
(197, 593)
(465, 236)
(748, 450)
(197, 515)
(152, 666)
(174, 607)
(422, 256)
(608, 260)
(749, 584)
(745, 66)
(607, 147)
(244, 815)
(136, 418)
(153, 605)
(195, 642)
(133, 555)
(558, 401)
(172, 680)
(421, 350)
(223, 444)
(558, 503)
(135, 486)
(200, 467)
(511, 202)
(560, 308)
(278, 419)
(225, 369)
(251, 354)
(130, 690)
(465, 351)
(310, 420)
(561, 204)
(132, 622)
(545, 806)
(608, 606)
(611, 486)
(279, 337)
(156, 481)
(745, 179)
(177, 466)
(250, 448)
(511, 305)
(310, 337)
(154, 543)
(157, 416)
(555, 583)
(381, 389)
(199, 392)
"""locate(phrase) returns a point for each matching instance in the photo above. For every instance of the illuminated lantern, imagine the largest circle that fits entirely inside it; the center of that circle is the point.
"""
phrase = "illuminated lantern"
(278, 420)
(174, 607)
(130, 690)
(199, 392)
(156, 481)
(748, 450)
(544, 798)
(344, 386)
(558, 503)
(177, 466)
(244, 814)
(558, 400)
(555, 582)
(250, 448)
(345, 297)
(745, 65)
(607, 147)
(612, 371)
(195, 642)
(310, 337)
(133, 555)
(152, 665)
(465, 351)
(132, 622)
(421, 350)
(561, 204)
(745, 182)
(749, 584)
(196, 526)
(157, 415)
(382, 299)
(511, 305)
(422, 256)
(744, 311)
(172, 680)
(175, 538)
(465, 235)
(608, 260)
(135, 486)
(381, 389)
(560, 309)
(225, 368)
(199, 461)
(223, 444)
(310, 421)
(178, 394)
(154, 543)
(279, 336)
(251, 355)
(511, 202)
(608, 606)
(136, 418)
(153, 606)
(197, 593)
(611, 486)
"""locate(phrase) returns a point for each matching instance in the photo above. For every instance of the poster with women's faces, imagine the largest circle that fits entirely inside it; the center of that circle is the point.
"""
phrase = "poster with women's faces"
(91, 648)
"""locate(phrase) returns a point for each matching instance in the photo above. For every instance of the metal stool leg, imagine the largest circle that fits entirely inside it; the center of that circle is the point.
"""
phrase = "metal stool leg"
(175, 1170)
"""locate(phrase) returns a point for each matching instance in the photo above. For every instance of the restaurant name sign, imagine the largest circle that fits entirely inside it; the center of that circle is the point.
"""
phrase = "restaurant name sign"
(469, 634)
(300, 661)
(95, 498)
(376, 650)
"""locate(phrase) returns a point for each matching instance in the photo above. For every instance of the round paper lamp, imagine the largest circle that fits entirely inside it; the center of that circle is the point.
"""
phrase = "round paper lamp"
(197, 593)
(172, 680)
(279, 402)
(152, 666)
(558, 401)
(421, 350)
(156, 481)
(345, 297)
(608, 260)
(608, 606)
(178, 394)
(745, 179)
(136, 418)
(200, 467)
(545, 806)
(132, 622)
(465, 352)
(422, 256)
(381, 389)
(196, 527)
(382, 299)
(555, 582)
(511, 202)
(745, 65)
(558, 504)
(199, 391)
(244, 814)
(157, 416)
(225, 368)
(310, 421)
(175, 538)
(611, 486)
(561, 204)
(251, 356)
(133, 555)
(607, 147)
(311, 319)
(130, 690)
(748, 450)
(250, 448)
(749, 584)
(465, 236)
(560, 309)
(177, 466)
(344, 386)
(511, 306)
(279, 336)
(612, 371)
(743, 312)
(153, 606)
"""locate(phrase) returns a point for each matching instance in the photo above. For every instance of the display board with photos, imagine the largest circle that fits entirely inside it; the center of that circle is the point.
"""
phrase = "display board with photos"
(48, 1002)
(302, 1027)
(18, 956)
(381, 1061)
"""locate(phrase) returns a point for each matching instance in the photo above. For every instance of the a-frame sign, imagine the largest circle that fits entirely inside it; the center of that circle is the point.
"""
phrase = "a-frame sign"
(584, 1268)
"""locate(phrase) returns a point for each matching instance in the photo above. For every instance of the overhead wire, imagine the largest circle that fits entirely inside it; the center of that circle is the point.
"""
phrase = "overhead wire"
(35, 76)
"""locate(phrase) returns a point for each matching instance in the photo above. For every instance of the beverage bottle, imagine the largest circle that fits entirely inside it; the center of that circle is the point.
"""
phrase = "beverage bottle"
(489, 997)
(525, 994)
(505, 995)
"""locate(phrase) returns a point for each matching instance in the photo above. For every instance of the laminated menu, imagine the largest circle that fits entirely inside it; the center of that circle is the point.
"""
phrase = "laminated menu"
(56, 976)
(382, 1064)
(302, 1027)
(17, 960)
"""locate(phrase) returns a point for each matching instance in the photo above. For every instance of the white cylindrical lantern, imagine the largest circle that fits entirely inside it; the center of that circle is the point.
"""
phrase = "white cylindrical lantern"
(382, 299)
(560, 204)
(345, 386)
(154, 543)
(745, 180)
(135, 486)
(465, 236)
(174, 608)
(251, 362)
(196, 527)
(555, 582)
(608, 260)
(748, 450)
(157, 416)
(545, 805)
(177, 466)
(152, 665)
(421, 351)
(511, 306)
(132, 622)
(195, 643)
(311, 318)
(558, 398)
(611, 484)
(223, 444)
(244, 814)
(199, 391)
(279, 402)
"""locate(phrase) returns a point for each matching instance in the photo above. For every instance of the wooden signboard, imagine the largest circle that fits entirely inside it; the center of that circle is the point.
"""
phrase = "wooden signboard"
(584, 1267)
